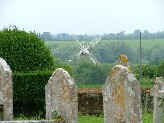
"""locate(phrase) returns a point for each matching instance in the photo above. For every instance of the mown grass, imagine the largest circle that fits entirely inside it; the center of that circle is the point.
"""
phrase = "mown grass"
(144, 83)
(146, 44)
(146, 118)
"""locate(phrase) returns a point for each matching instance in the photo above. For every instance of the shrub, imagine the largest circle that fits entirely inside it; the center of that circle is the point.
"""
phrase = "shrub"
(24, 51)
(88, 73)
(29, 91)
(149, 71)
(161, 69)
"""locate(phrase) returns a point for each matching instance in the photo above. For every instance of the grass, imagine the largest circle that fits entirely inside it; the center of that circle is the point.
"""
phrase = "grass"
(90, 119)
(147, 83)
(146, 44)
(146, 118)
(144, 83)
(90, 85)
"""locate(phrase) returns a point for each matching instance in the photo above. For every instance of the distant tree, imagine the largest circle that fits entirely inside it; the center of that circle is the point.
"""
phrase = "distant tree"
(157, 55)
(121, 35)
(110, 36)
(136, 34)
(64, 53)
(145, 34)
(47, 36)
(63, 36)
(86, 72)
(109, 52)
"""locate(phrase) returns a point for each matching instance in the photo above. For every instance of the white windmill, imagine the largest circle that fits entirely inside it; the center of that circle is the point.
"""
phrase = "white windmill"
(84, 49)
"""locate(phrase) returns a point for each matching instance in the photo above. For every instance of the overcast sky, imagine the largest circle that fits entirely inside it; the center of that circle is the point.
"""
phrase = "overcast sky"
(83, 16)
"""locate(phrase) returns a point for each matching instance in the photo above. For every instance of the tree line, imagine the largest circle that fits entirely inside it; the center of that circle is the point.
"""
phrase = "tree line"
(108, 52)
(48, 36)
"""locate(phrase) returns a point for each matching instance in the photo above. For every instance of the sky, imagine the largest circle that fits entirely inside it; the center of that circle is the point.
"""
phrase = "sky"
(83, 16)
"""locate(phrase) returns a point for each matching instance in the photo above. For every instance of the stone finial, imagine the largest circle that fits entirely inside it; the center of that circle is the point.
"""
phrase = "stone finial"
(6, 91)
(61, 96)
(122, 96)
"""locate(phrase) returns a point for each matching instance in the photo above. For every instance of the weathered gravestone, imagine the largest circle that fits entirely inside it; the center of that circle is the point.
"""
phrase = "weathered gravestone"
(61, 96)
(121, 95)
(6, 92)
(158, 92)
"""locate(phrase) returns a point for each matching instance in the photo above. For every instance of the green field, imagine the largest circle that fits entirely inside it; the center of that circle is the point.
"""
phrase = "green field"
(146, 44)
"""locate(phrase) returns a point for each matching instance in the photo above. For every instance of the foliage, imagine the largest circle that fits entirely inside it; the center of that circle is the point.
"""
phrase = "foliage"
(29, 91)
(86, 72)
(65, 53)
(24, 51)
(109, 52)
(90, 85)
(148, 71)
(156, 55)
(62, 64)
(22, 117)
(146, 82)
(161, 69)
(106, 36)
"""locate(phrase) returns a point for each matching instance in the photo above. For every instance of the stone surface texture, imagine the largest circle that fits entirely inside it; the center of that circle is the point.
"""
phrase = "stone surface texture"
(6, 90)
(122, 97)
(158, 92)
(61, 96)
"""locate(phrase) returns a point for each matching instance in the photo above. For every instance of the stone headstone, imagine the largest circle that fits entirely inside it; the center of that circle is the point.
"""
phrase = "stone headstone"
(121, 97)
(158, 92)
(6, 91)
(61, 96)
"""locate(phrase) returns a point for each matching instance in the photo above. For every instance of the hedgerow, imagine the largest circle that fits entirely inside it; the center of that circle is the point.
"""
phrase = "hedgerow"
(29, 91)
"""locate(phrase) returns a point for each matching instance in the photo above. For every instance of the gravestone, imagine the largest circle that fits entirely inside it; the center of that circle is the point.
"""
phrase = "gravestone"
(158, 92)
(61, 96)
(121, 95)
(6, 91)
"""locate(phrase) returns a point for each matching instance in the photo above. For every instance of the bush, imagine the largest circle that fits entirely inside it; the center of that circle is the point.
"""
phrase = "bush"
(24, 51)
(149, 71)
(161, 69)
(29, 91)
(88, 73)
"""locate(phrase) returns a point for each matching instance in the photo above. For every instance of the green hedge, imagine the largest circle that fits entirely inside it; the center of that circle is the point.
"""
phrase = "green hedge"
(161, 69)
(24, 51)
(29, 91)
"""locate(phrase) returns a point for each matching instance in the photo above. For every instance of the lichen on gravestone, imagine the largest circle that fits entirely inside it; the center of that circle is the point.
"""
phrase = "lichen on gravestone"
(61, 96)
(6, 90)
(121, 95)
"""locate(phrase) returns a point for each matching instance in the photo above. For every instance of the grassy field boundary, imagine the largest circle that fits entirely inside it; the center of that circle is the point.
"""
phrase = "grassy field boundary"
(146, 44)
